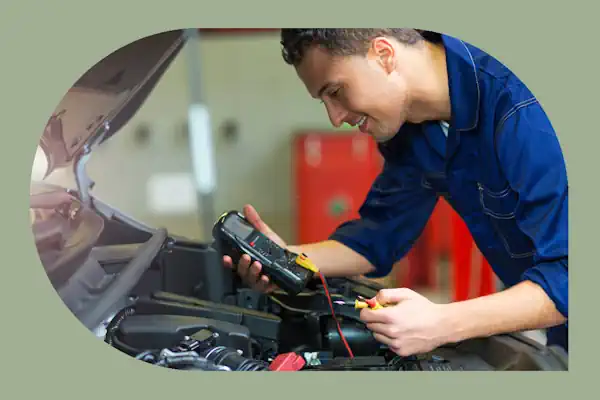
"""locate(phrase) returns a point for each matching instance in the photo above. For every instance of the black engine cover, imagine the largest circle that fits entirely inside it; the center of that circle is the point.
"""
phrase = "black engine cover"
(156, 332)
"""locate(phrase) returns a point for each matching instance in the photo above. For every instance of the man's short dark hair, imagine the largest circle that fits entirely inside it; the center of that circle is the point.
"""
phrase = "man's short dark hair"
(342, 41)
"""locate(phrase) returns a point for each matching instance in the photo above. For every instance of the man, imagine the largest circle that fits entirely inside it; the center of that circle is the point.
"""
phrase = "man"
(450, 121)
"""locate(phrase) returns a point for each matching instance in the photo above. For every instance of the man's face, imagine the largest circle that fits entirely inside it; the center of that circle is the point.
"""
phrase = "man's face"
(370, 92)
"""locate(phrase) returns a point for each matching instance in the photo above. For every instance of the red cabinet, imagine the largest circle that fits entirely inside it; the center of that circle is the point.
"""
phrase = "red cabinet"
(332, 175)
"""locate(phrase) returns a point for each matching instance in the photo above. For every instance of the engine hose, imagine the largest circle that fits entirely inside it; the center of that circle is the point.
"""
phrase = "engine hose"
(147, 356)
(190, 360)
(289, 308)
(117, 344)
(113, 326)
(232, 359)
(116, 322)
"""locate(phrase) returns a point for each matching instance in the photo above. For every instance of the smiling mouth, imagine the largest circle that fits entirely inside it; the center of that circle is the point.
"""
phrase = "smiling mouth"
(362, 124)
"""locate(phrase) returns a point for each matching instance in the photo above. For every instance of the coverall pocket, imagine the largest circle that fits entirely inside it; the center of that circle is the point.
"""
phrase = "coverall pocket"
(500, 207)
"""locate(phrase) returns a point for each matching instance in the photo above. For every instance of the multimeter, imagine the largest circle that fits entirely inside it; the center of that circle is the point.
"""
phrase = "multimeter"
(236, 236)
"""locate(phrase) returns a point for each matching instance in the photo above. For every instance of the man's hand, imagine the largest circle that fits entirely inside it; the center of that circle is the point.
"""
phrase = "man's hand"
(250, 273)
(415, 324)
(410, 323)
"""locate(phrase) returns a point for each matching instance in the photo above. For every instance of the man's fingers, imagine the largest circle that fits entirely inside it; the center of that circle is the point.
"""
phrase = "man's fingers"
(369, 316)
(385, 334)
(245, 261)
(396, 295)
(272, 287)
(254, 271)
(383, 339)
(250, 271)
(254, 218)
(244, 265)
(262, 285)
(251, 213)
(382, 329)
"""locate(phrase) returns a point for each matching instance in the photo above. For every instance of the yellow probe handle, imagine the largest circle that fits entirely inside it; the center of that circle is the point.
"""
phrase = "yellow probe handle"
(362, 304)
(303, 261)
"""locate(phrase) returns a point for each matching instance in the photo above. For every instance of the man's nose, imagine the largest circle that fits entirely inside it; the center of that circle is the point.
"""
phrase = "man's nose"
(337, 115)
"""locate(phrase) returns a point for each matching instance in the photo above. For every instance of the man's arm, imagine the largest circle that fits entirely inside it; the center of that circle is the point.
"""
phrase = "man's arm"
(393, 215)
(531, 157)
(417, 325)
(525, 306)
(335, 259)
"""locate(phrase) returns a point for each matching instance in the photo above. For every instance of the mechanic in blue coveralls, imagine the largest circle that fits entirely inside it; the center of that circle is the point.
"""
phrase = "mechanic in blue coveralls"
(449, 120)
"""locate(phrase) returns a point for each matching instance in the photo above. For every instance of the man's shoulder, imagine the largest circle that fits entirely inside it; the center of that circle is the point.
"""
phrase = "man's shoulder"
(482, 88)
(500, 88)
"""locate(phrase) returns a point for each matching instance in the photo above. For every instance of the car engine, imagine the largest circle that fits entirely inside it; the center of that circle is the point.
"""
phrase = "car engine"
(170, 302)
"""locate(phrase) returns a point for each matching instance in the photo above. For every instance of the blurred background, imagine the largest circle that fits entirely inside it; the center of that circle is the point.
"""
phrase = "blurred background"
(274, 148)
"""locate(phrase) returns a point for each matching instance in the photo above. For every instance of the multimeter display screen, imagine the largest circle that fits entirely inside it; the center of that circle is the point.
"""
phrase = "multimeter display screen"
(238, 227)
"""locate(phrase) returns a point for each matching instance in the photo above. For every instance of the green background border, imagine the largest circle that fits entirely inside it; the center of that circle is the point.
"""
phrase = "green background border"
(46, 46)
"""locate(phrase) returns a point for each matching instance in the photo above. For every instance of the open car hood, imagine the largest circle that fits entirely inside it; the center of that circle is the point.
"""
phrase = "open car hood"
(106, 97)
(66, 227)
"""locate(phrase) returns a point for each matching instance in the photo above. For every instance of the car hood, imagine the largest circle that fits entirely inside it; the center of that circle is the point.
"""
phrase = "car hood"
(106, 97)
(65, 226)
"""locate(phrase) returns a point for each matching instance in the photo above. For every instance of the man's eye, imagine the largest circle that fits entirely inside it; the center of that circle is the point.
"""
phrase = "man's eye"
(332, 94)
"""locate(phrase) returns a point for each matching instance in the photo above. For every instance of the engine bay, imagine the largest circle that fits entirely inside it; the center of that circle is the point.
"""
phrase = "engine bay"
(168, 301)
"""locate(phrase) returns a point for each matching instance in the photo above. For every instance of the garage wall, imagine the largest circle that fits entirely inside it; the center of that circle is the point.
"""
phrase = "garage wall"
(245, 81)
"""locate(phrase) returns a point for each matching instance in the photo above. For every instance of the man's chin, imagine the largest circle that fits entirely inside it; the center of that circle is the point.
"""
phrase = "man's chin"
(379, 138)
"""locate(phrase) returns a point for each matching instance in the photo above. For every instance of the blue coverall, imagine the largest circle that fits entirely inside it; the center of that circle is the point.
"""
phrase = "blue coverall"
(499, 165)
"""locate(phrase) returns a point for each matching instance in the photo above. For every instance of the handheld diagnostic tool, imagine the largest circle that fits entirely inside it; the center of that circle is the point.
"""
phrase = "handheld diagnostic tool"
(288, 270)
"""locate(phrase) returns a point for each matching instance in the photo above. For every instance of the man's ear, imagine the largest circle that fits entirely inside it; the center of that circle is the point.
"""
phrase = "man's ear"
(383, 52)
